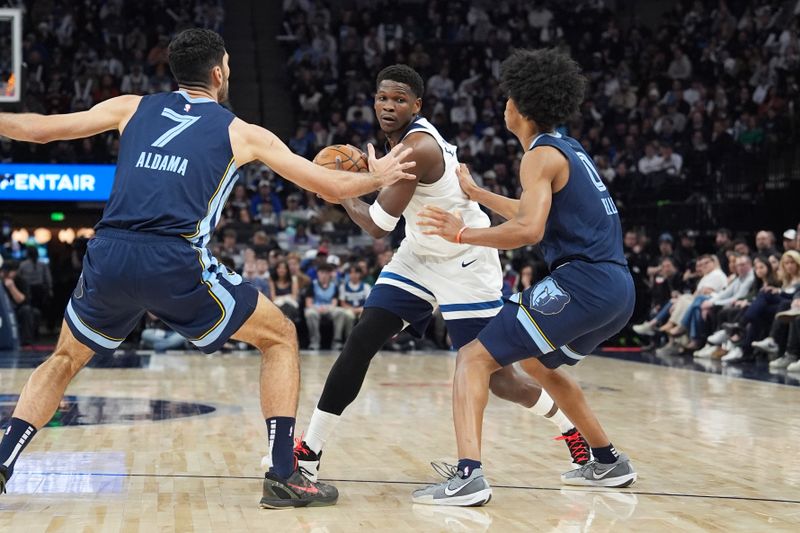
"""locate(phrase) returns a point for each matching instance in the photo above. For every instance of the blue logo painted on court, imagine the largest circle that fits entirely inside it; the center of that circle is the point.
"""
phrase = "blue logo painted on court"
(548, 298)
(95, 410)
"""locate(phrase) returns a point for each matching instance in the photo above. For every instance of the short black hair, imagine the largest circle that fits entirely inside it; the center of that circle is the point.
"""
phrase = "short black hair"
(546, 85)
(403, 74)
(192, 55)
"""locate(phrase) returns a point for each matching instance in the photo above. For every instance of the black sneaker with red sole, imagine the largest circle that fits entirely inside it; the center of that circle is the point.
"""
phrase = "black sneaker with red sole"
(296, 491)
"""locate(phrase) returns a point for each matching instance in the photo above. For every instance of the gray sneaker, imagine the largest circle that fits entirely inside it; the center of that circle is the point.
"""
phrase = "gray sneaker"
(594, 474)
(471, 491)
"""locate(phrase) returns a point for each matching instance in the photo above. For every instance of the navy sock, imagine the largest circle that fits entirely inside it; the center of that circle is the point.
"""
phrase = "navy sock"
(15, 438)
(280, 432)
(605, 455)
(466, 466)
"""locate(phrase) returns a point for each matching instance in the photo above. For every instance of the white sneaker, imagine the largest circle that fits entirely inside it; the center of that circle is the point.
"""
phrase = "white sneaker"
(718, 337)
(782, 362)
(644, 329)
(794, 367)
(735, 354)
(767, 345)
(705, 352)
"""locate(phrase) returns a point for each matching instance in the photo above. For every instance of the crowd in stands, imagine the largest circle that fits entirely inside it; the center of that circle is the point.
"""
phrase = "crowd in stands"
(673, 111)
(731, 302)
(78, 54)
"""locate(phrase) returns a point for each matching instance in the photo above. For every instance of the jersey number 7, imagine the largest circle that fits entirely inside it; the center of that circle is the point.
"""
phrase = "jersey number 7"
(184, 121)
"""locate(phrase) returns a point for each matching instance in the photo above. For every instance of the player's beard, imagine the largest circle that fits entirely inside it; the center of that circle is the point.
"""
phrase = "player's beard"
(223, 92)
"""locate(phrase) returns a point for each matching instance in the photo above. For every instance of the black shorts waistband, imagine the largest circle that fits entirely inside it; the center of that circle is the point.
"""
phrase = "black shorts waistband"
(139, 236)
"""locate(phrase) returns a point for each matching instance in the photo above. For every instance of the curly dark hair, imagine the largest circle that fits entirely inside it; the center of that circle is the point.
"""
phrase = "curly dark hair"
(192, 54)
(546, 85)
(403, 74)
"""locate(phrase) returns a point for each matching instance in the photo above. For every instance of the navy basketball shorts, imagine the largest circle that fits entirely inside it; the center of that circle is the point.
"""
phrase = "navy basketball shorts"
(126, 273)
(564, 317)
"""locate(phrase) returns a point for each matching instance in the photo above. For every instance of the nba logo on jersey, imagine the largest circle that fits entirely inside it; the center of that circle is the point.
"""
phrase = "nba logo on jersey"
(187, 107)
(548, 298)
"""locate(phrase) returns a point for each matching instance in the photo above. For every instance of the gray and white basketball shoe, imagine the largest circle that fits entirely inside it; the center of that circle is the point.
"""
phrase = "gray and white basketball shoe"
(471, 491)
(595, 474)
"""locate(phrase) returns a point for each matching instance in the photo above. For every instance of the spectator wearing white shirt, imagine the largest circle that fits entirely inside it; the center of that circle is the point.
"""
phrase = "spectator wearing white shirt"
(651, 161)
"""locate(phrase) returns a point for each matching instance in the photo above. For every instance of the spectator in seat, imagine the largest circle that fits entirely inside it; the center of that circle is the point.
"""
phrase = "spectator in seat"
(284, 291)
(17, 289)
(789, 240)
(672, 163)
(322, 301)
(353, 295)
(159, 336)
(755, 324)
(765, 243)
(265, 194)
(37, 276)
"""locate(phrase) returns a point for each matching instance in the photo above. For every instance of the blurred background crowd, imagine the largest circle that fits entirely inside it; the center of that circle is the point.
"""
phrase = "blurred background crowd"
(691, 115)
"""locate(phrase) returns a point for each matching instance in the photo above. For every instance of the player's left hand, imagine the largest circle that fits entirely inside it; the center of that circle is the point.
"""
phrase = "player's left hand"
(440, 222)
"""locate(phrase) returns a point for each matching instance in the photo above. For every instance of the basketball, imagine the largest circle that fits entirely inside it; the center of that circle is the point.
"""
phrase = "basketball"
(353, 159)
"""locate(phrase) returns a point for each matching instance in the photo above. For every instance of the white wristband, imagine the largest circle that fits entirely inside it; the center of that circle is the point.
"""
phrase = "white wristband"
(381, 218)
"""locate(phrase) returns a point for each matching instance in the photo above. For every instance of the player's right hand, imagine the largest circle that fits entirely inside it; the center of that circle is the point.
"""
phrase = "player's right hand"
(391, 167)
(466, 181)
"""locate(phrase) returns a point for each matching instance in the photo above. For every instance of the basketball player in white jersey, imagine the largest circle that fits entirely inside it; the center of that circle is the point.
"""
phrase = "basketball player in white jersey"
(464, 281)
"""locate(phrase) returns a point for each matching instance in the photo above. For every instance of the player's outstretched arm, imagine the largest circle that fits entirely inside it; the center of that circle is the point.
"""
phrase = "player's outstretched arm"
(505, 207)
(251, 142)
(111, 114)
(537, 172)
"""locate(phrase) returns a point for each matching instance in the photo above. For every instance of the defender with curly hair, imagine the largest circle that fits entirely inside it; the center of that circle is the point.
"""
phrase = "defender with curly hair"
(566, 209)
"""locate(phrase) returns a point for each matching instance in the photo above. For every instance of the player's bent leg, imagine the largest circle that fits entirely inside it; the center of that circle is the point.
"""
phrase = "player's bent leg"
(517, 386)
(40, 397)
(609, 469)
(274, 335)
(466, 485)
(376, 327)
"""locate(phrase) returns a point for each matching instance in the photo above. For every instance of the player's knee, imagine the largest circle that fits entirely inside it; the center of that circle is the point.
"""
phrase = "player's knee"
(69, 362)
(473, 358)
(500, 386)
(281, 332)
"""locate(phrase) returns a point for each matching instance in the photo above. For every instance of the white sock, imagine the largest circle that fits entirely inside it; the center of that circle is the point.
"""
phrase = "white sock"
(543, 406)
(320, 429)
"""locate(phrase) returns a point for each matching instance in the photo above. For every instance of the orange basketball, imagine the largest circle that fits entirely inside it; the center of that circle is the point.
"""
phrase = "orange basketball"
(353, 159)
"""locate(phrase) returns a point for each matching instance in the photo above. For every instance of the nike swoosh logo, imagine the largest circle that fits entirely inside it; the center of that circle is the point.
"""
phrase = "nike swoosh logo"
(448, 492)
(465, 265)
(310, 489)
(601, 476)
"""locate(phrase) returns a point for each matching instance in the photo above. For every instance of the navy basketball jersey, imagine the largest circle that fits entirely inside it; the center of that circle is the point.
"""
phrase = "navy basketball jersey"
(583, 222)
(175, 168)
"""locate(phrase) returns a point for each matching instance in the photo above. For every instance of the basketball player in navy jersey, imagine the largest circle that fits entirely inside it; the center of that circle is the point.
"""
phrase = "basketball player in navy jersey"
(179, 153)
(589, 295)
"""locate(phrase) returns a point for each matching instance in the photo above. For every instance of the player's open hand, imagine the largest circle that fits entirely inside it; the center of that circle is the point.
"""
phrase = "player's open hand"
(467, 183)
(440, 222)
(391, 167)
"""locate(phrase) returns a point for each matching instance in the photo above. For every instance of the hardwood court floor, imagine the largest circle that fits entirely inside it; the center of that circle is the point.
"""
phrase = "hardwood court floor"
(714, 453)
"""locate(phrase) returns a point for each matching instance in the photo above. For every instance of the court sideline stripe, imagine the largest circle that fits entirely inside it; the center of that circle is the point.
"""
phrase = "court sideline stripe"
(393, 482)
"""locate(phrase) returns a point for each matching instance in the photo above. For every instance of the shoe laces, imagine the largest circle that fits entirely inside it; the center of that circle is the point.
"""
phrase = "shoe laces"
(446, 470)
(578, 447)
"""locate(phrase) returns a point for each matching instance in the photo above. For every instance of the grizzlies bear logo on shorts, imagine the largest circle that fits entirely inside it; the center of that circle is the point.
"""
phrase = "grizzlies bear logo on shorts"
(548, 298)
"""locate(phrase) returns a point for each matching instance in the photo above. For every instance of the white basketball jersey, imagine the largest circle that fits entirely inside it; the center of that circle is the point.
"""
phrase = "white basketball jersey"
(446, 194)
